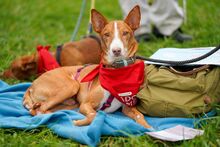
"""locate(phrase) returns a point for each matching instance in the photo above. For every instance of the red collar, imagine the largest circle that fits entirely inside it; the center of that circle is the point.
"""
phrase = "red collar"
(46, 61)
(123, 83)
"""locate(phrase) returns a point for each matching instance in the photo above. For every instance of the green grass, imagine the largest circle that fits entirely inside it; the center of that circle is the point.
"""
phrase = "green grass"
(26, 23)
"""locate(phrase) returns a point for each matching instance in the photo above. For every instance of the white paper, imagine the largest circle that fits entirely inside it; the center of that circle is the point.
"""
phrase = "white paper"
(176, 133)
(181, 54)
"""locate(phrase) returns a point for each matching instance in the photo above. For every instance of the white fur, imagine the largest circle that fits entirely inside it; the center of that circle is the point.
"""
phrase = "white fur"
(116, 104)
(26, 106)
(116, 43)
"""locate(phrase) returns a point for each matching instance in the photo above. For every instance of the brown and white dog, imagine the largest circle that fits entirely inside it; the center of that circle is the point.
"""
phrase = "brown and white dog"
(71, 53)
(54, 89)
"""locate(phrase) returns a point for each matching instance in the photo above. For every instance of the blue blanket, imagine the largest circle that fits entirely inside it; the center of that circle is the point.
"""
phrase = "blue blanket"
(14, 115)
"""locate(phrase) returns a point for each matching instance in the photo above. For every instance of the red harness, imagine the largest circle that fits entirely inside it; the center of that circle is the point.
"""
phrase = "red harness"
(46, 61)
(123, 83)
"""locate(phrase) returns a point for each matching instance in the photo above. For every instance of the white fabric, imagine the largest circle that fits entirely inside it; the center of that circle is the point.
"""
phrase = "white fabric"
(166, 15)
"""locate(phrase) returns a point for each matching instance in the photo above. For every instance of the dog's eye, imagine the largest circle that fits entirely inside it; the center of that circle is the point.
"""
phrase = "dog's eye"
(125, 33)
(106, 34)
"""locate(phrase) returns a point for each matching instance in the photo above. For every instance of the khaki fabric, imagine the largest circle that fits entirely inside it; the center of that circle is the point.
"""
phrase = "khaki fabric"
(171, 95)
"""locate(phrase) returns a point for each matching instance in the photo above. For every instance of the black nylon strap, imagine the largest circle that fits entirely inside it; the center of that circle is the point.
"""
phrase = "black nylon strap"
(58, 53)
(179, 63)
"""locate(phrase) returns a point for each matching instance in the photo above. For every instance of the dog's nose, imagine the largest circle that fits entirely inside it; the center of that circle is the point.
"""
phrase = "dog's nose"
(116, 51)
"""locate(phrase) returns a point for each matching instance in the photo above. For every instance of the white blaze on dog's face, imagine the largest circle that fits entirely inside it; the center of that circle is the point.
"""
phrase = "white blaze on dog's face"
(118, 40)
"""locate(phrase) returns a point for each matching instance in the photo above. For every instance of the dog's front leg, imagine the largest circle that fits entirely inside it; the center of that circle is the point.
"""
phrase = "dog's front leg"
(133, 113)
(88, 110)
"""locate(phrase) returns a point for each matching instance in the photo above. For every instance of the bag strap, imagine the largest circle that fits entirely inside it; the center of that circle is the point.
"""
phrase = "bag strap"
(190, 72)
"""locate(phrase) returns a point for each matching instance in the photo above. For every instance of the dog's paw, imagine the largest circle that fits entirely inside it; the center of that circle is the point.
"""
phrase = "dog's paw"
(35, 111)
(31, 107)
(81, 122)
(44, 107)
(36, 105)
(27, 104)
(143, 122)
(76, 122)
(86, 121)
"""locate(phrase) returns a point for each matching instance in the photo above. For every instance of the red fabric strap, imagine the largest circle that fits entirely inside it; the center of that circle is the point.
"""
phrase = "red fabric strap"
(123, 83)
(46, 61)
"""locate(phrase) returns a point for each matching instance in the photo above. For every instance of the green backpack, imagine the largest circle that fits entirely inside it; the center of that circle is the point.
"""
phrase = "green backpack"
(170, 93)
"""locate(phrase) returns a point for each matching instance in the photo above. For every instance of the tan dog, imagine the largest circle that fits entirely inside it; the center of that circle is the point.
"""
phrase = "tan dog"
(53, 90)
(73, 53)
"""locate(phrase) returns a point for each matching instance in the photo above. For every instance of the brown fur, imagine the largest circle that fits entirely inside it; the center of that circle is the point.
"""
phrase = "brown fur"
(51, 90)
(73, 53)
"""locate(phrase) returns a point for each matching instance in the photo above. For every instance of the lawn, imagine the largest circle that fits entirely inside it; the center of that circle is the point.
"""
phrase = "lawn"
(26, 23)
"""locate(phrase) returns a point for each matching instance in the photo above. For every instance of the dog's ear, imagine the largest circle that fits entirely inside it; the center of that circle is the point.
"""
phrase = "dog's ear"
(28, 63)
(98, 20)
(29, 66)
(133, 18)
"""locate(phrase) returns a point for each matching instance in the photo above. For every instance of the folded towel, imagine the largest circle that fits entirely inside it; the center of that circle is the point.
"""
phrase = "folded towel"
(14, 115)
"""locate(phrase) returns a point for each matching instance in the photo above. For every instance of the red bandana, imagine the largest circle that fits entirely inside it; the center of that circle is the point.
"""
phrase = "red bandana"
(123, 83)
(46, 61)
